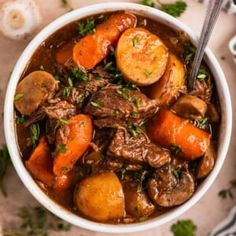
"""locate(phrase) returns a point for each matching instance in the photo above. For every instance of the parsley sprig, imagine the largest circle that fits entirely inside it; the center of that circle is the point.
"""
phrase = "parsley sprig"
(34, 133)
(37, 221)
(184, 228)
(4, 163)
(227, 193)
(174, 9)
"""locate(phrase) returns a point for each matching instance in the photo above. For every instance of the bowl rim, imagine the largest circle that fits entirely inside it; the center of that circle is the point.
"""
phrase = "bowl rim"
(9, 125)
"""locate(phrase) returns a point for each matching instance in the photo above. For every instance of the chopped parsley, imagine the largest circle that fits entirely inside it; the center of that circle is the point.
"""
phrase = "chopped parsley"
(64, 169)
(175, 149)
(62, 148)
(135, 41)
(37, 221)
(125, 93)
(122, 173)
(20, 119)
(203, 75)
(140, 177)
(227, 193)
(96, 104)
(62, 122)
(18, 96)
(66, 92)
(86, 27)
(34, 133)
(137, 102)
(134, 130)
(78, 75)
(188, 53)
(177, 174)
(4, 163)
(70, 82)
(202, 122)
(184, 228)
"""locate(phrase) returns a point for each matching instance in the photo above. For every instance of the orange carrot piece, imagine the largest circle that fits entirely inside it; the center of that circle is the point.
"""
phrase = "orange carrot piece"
(40, 163)
(93, 48)
(167, 129)
(65, 181)
(64, 54)
(79, 138)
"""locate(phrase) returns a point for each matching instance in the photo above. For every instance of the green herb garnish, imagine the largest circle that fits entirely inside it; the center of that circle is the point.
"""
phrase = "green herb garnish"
(125, 93)
(62, 148)
(78, 75)
(122, 173)
(20, 119)
(175, 149)
(203, 75)
(86, 27)
(96, 104)
(18, 96)
(177, 174)
(37, 221)
(135, 42)
(62, 122)
(66, 92)
(188, 53)
(137, 102)
(4, 163)
(202, 122)
(173, 9)
(134, 130)
(42, 67)
(148, 3)
(140, 177)
(184, 228)
(227, 193)
(34, 133)
(70, 82)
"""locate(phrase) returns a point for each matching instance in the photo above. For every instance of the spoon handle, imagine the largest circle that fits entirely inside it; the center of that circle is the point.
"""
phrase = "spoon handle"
(212, 13)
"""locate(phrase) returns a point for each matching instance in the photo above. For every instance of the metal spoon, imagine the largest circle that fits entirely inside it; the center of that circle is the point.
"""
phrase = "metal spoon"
(212, 14)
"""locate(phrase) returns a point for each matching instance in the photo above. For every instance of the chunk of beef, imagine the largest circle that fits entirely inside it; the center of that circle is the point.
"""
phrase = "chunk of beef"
(62, 109)
(115, 101)
(203, 90)
(137, 149)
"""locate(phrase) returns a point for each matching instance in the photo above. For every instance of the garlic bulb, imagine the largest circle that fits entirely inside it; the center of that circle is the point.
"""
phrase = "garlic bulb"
(19, 18)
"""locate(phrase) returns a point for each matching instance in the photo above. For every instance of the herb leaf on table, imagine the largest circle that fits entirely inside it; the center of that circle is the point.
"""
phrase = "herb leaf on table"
(184, 228)
(174, 9)
(227, 193)
(37, 221)
(4, 162)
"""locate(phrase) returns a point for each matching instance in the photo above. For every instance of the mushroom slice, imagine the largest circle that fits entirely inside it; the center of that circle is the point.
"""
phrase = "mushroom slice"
(190, 107)
(19, 18)
(207, 162)
(33, 91)
(167, 190)
(137, 203)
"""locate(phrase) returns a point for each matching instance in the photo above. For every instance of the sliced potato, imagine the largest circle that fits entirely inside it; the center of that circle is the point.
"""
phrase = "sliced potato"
(33, 91)
(171, 83)
(190, 107)
(137, 203)
(100, 197)
(141, 56)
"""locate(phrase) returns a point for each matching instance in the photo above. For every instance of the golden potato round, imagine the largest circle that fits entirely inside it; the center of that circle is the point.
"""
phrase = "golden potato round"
(33, 91)
(172, 82)
(141, 56)
(100, 197)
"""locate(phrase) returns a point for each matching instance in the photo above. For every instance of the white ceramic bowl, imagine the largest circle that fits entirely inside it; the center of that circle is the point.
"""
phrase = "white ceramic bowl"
(225, 129)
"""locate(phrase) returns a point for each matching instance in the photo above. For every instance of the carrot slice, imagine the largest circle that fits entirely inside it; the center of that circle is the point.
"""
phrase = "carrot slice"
(170, 131)
(40, 163)
(93, 48)
(78, 140)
